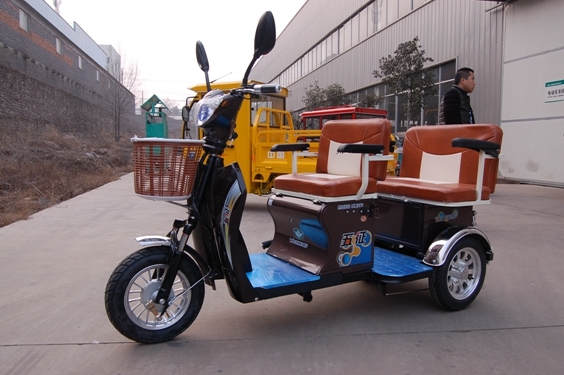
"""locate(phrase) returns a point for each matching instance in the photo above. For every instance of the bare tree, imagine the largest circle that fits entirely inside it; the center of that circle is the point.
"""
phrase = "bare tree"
(120, 94)
(173, 106)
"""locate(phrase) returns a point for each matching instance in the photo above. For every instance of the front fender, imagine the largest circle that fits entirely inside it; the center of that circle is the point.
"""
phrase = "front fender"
(439, 249)
(147, 241)
(153, 241)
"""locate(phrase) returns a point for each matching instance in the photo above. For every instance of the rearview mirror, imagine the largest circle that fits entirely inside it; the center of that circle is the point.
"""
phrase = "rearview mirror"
(185, 113)
(265, 35)
(265, 39)
(202, 57)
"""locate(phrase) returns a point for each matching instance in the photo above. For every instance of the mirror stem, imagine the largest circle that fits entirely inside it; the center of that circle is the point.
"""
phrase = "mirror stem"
(248, 72)
(208, 86)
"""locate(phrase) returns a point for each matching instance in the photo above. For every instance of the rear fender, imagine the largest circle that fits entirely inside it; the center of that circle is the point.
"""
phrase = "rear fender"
(442, 245)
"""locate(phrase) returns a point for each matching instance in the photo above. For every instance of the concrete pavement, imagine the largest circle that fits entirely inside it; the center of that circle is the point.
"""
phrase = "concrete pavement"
(55, 266)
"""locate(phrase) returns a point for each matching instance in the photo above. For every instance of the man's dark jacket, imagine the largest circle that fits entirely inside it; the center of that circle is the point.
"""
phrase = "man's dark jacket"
(455, 107)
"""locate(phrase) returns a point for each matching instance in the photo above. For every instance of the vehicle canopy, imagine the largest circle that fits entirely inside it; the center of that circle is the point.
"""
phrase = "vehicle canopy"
(315, 119)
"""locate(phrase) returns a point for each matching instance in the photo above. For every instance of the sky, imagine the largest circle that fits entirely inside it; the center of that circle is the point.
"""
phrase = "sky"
(160, 37)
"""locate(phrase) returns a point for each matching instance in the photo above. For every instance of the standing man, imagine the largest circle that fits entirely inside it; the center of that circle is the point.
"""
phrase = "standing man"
(455, 106)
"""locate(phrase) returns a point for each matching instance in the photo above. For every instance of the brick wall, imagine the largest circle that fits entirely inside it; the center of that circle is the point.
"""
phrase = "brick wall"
(39, 86)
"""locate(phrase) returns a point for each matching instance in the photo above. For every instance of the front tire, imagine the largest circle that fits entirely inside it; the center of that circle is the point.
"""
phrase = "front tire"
(135, 282)
(456, 283)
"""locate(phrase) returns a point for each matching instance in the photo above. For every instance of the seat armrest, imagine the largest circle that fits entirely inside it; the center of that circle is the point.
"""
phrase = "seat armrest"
(485, 148)
(365, 150)
(290, 147)
(295, 148)
(490, 148)
(356, 148)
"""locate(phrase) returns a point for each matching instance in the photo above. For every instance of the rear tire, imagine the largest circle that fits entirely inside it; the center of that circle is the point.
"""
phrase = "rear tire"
(136, 281)
(456, 283)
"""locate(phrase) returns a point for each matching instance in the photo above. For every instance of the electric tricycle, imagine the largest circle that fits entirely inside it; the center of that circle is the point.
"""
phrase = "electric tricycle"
(345, 222)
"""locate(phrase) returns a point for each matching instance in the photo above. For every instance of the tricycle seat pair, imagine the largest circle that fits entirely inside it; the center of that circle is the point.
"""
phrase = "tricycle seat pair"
(326, 221)
(446, 165)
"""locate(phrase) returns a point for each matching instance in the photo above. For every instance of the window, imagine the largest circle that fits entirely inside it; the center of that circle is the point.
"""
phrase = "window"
(363, 24)
(382, 13)
(347, 31)
(59, 46)
(305, 67)
(80, 61)
(393, 6)
(323, 52)
(395, 104)
(24, 20)
(335, 44)
(97, 75)
(109, 85)
(404, 7)
(316, 56)
(372, 18)
(355, 23)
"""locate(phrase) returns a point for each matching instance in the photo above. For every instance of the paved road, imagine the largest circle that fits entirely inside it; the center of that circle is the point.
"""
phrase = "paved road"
(55, 266)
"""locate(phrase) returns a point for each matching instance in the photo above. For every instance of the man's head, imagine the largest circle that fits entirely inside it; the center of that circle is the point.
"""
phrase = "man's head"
(464, 79)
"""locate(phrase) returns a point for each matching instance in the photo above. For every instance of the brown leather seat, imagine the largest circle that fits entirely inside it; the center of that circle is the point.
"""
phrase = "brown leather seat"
(339, 174)
(432, 169)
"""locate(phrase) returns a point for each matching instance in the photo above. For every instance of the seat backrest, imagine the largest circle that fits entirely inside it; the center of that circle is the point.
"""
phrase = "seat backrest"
(428, 154)
(364, 131)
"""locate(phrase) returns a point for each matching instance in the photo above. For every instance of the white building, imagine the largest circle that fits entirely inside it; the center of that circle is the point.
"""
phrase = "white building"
(515, 47)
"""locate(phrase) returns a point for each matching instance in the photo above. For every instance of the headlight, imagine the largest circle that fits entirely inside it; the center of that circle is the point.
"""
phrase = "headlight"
(207, 106)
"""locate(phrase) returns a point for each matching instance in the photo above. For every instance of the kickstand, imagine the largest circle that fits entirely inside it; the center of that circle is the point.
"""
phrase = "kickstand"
(306, 296)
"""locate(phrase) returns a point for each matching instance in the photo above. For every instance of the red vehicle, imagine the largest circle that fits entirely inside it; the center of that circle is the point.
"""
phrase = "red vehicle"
(314, 120)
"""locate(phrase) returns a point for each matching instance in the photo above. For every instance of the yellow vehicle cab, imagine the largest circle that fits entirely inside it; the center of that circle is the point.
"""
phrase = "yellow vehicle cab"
(261, 123)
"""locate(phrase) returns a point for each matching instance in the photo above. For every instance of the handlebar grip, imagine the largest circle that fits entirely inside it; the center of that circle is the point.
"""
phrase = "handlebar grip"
(268, 89)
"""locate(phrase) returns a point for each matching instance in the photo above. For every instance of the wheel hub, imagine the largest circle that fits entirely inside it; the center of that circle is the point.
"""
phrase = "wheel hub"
(149, 295)
(460, 270)
(461, 274)
(141, 302)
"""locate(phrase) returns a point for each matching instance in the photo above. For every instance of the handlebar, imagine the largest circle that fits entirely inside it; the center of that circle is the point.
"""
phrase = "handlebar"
(268, 89)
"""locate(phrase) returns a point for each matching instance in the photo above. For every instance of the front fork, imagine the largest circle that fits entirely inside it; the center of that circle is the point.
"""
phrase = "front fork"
(175, 258)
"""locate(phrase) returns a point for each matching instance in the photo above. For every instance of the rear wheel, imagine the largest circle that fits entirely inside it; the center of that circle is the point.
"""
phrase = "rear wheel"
(132, 287)
(456, 283)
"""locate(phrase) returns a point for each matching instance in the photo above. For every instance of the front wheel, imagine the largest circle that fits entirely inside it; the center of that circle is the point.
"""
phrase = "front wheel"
(456, 283)
(134, 284)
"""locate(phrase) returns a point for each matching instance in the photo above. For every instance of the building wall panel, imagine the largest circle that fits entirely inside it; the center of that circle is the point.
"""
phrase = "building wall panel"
(533, 125)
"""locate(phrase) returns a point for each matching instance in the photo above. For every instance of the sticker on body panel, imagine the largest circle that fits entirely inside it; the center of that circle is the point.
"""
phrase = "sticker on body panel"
(232, 196)
(357, 248)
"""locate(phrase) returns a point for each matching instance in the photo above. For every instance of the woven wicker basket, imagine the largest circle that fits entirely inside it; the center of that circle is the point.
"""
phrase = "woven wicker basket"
(165, 169)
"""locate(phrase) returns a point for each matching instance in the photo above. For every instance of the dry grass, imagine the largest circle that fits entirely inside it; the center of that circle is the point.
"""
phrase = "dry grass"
(42, 168)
